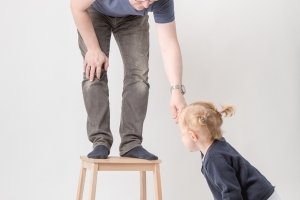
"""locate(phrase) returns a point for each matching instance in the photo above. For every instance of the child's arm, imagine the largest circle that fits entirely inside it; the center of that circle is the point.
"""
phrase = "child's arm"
(223, 177)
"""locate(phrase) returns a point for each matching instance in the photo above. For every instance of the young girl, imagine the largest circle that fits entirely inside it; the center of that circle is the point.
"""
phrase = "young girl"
(227, 173)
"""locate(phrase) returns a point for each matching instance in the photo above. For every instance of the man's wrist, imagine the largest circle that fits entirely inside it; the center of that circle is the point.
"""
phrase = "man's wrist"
(180, 88)
(94, 48)
(176, 92)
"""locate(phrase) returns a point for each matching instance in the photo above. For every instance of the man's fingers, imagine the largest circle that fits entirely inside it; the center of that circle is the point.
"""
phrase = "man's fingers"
(84, 66)
(87, 71)
(93, 64)
(177, 115)
(174, 112)
(92, 73)
(106, 64)
(98, 72)
(176, 120)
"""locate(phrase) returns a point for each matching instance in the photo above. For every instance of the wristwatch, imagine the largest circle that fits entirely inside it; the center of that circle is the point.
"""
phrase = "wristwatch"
(180, 87)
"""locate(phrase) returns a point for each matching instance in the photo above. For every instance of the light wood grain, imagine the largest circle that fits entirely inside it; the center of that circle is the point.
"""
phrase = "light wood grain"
(119, 164)
(116, 159)
(93, 181)
(125, 167)
(157, 183)
(87, 165)
(143, 188)
(81, 182)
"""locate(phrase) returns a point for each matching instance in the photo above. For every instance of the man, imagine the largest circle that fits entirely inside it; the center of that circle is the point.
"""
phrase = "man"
(128, 21)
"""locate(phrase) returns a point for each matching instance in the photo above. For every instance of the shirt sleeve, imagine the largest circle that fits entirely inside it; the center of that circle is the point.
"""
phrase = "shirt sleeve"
(223, 177)
(163, 11)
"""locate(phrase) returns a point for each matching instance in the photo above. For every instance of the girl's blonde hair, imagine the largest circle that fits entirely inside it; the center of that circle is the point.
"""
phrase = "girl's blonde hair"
(203, 113)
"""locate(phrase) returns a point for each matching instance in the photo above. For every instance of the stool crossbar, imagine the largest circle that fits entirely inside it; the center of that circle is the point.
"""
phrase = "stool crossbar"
(119, 164)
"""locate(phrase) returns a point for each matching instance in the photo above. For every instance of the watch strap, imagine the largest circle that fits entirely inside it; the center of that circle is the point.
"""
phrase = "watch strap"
(177, 87)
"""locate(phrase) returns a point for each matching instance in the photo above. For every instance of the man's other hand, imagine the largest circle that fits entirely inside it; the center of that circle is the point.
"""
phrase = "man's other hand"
(93, 62)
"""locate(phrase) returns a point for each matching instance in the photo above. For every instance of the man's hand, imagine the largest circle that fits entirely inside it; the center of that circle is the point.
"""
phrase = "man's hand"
(93, 62)
(177, 104)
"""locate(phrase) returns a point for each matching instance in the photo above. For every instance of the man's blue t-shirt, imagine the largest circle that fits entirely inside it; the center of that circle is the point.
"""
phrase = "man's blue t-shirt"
(163, 10)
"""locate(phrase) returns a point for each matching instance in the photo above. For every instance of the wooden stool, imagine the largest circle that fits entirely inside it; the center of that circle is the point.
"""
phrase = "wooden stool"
(119, 164)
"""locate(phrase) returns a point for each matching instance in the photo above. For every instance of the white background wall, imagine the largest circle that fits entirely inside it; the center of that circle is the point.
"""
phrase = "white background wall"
(243, 52)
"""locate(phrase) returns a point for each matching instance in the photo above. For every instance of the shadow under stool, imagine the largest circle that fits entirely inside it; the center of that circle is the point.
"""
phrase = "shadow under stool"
(119, 164)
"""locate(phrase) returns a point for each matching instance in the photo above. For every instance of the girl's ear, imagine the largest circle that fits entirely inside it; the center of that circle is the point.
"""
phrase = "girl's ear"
(193, 135)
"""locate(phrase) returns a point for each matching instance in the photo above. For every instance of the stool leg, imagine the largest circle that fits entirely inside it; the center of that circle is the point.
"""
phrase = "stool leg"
(93, 183)
(157, 182)
(143, 188)
(81, 182)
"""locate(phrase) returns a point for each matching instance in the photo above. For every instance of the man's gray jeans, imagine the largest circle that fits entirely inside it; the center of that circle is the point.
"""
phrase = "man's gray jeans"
(132, 36)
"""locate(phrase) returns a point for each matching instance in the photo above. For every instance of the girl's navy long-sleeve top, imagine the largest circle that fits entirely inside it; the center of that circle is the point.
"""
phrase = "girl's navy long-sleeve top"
(231, 177)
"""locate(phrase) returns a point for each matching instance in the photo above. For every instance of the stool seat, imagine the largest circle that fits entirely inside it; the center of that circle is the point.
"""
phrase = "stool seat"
(117, 159)
(119, 164)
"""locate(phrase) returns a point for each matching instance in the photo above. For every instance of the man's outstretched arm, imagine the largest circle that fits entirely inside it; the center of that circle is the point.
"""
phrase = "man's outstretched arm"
(173, 63)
